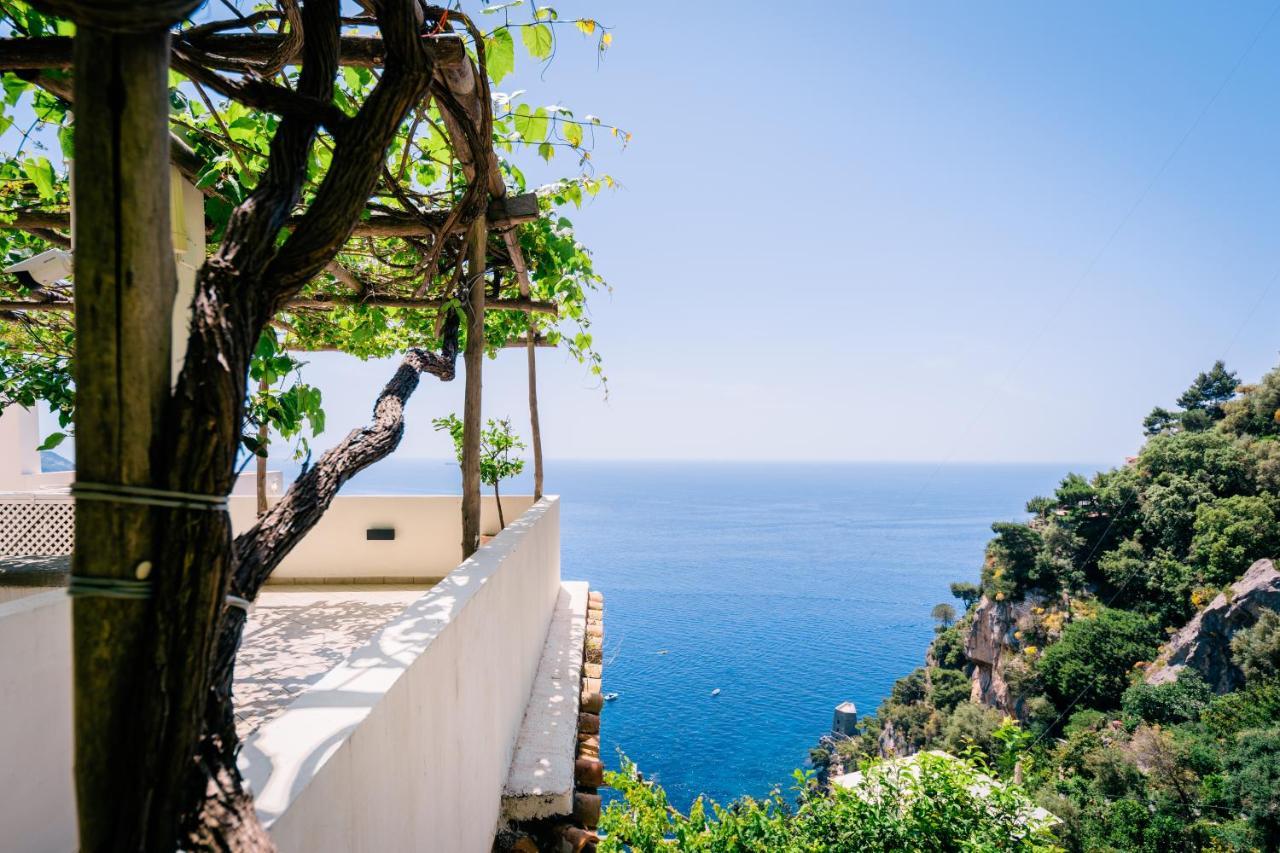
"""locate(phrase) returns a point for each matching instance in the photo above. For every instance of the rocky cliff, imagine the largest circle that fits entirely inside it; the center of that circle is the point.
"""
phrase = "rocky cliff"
(990, 643)
(1204, 644)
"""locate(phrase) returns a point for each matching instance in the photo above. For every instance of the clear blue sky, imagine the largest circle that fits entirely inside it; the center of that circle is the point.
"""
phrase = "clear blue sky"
(945, 231)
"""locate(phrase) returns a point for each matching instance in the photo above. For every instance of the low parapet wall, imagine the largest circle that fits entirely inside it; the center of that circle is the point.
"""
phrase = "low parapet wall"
(404, 746)
(427, 531)
(38, 808)
(407, 744)
(359, 538)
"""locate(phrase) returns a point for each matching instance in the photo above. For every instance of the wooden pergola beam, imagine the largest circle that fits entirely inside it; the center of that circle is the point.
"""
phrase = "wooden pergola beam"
(520, 303)
(327, 303)
(225, 51)
(524, 343)
(504, 213)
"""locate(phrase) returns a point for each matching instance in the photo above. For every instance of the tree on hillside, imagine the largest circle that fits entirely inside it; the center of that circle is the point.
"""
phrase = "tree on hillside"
(968, 593)
(1011, 566)
(1202, 405)
(1257, 411)
(944, 614)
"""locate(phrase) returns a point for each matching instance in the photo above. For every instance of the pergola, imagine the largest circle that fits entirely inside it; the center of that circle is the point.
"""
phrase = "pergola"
(202, 51)
(157, 450)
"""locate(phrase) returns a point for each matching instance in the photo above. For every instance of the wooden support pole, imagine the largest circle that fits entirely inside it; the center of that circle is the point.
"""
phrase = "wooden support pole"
(260, 466)
(535, 428)
(125, 285)
(531, 342)
(473, 359)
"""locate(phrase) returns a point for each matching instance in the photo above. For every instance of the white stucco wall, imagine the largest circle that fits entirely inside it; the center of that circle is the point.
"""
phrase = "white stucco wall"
(427, 544)
(19, 459)
(37, 806)
(428, 541)
(407, 744)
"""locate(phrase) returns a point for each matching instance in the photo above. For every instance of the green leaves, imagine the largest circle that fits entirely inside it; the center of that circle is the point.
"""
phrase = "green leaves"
(286, 410)
(499, 54)
(538, 40)
(496, 443)
(52, 441)
(39, 171)
(572, 133)
(531, 124)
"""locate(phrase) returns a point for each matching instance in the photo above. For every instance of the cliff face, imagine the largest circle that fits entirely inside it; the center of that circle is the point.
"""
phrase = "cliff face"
(1204, 644)
(990, 643)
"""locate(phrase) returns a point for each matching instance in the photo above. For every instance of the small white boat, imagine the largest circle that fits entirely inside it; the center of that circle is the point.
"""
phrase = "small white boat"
(609, 697)
(715, 692)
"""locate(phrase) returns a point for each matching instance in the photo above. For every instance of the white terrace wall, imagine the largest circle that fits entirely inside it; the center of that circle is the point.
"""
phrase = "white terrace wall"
(408, 743)
(405, 746)
(427, 544)
(37, 808)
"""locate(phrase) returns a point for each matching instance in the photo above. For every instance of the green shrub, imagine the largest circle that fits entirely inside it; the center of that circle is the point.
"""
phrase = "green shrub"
(950, 688)
(1255, 772)
(948, 648)
(972, 726)
(1257, 706)
(1011, 567)
(1178, 701)
(1231, 533)
(1256, 650)
(947, 806)
(1091, 664)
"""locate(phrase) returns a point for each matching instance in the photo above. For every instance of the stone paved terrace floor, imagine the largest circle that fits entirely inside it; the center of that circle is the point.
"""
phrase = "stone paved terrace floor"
(297, 633)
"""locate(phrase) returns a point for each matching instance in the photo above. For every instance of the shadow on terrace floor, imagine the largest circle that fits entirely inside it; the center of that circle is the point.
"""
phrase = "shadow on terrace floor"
(298, 633)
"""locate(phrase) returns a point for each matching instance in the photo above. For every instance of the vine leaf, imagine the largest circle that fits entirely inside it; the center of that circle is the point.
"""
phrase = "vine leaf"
(532, 125)
(537, 40)
(40, 172)
(573, 134)
(500, 54)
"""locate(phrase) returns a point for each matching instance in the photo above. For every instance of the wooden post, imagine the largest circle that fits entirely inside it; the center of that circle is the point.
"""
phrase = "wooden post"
(473, 358)
(125, 283)
(260, 464)
(535, 429)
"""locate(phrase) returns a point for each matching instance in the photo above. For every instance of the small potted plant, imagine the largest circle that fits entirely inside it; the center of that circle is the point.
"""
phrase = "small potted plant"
(497, 442)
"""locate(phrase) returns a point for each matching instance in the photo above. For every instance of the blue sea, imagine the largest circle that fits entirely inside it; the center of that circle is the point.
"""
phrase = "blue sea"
(790, 587)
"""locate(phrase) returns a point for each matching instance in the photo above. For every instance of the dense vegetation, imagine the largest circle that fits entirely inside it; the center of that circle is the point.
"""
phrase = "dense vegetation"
(1105, 569)
(948, 805)
(1099, 576)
